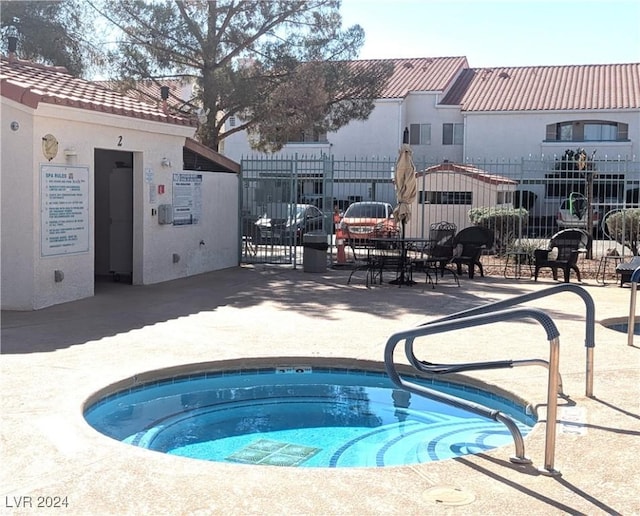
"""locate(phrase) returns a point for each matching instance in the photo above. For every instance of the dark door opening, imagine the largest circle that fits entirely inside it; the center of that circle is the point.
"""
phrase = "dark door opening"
(113, 216)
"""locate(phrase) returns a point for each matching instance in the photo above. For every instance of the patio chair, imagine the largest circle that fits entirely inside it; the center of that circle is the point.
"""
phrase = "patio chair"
(436, 254)
(626, 269)
(468, 246)
(364, 258)
(569, 243)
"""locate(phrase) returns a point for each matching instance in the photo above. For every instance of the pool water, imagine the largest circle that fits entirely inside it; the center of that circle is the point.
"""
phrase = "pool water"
(302, 417)
(624, 327)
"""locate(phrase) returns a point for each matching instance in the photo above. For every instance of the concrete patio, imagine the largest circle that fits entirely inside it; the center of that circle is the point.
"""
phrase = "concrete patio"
(56, 358)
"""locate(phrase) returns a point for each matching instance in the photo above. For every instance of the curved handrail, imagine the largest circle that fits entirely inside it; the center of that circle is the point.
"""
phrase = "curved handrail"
(631, 324)
(499, 305)
(477, 320)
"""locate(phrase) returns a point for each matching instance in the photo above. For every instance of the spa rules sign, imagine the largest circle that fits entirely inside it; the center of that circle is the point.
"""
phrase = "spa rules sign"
(64, 210)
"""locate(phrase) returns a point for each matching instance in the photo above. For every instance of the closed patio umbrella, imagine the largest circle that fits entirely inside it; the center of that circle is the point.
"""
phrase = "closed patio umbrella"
(406, 190)
(406, 186)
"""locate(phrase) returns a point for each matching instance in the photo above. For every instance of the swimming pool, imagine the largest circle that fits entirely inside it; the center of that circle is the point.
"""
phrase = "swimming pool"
(301, 416)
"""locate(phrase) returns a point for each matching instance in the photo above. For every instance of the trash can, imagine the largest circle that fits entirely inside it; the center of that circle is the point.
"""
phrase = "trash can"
(314, 256)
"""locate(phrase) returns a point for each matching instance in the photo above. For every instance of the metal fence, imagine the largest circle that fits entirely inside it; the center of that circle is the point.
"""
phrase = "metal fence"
(586, 192)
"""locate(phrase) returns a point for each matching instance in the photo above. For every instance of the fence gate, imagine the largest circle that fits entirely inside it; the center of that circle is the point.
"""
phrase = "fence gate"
(272, 188)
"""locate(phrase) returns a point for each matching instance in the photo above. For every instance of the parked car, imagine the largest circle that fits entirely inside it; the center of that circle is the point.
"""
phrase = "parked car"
(572, 212)
(369, 219)
(289, 223)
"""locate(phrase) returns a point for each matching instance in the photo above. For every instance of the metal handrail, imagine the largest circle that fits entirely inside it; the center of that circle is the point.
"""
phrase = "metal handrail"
(631, 324)
(590, 344)
(477, 320)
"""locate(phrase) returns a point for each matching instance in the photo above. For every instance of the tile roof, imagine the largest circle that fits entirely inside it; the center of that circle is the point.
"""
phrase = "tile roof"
(419, 74)
(30, 84)
(149, 91)
(546, 88)
(470, 171)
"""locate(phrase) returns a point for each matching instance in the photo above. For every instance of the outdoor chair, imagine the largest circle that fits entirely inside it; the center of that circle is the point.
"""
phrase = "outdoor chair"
(436, 254)
(468, 246)
(568, 244)
(364, 258)
(626, 269)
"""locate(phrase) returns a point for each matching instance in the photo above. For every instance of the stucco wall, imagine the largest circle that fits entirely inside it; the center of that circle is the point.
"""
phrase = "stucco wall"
(19, 187)
(28, 278)
(519, 135)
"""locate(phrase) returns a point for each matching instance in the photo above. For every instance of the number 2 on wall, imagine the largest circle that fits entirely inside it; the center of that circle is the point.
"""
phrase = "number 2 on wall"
(119, 141)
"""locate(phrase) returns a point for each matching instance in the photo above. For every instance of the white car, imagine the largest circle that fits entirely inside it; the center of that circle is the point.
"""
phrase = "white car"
(572, 213)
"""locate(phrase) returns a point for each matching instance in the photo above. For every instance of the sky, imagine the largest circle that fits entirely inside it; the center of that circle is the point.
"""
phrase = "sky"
(500, 33)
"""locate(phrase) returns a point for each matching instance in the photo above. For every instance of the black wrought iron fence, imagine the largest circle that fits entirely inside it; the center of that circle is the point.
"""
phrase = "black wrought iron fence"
(525, 201)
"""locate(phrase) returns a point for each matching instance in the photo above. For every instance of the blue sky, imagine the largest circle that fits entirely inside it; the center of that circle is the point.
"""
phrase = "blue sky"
(500, 32)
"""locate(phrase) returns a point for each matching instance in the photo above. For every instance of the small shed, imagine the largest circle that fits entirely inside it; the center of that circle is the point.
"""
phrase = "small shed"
(98, 186)
(446, 192)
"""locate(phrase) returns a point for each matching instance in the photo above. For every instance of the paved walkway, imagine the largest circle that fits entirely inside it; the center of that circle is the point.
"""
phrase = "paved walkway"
(55, 359)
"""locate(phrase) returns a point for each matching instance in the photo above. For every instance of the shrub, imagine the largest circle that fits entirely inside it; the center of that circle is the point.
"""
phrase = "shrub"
(505, 223)
(624, 228)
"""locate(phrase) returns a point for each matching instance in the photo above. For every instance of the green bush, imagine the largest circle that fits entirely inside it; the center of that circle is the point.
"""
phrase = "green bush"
(505, 223)
(624, 227)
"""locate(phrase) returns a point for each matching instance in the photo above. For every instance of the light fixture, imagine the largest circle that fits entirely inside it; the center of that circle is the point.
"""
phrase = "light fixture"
(166, 162)
(70, 155)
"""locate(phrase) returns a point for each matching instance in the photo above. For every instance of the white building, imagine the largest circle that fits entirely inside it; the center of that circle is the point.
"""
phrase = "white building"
(446, 192)
(96, 185)
(458, 113)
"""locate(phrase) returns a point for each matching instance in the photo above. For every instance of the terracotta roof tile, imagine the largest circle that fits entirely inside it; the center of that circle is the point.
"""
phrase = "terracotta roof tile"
(546, 88)
(30, 84)
(470, 171)
(419, 74)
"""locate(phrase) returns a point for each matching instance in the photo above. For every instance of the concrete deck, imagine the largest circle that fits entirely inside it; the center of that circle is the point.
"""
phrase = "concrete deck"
(55, 359)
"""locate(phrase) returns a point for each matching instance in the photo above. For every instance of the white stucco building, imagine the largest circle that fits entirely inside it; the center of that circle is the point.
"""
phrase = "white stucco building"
(98, 186)
(457, 113)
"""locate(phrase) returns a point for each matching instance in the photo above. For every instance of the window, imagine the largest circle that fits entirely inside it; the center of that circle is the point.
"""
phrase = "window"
(600, 132)
(504, 198)
(565, 132)
(307, 136)
(587, 131)
(445, 198)
(232, 121)
(420, 134)
(452, 134)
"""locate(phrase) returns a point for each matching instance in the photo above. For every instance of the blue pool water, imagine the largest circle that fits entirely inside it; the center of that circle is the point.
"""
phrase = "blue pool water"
(624, 327)
(301, 417)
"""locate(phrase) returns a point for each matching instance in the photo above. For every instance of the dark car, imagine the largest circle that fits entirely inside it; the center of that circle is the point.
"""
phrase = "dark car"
(288, 224)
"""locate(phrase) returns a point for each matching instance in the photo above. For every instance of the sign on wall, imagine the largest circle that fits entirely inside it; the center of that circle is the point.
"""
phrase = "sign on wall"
(187, 199)
(64, 210)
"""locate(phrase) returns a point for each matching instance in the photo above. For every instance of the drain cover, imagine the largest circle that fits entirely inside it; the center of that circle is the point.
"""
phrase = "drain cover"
(444, 495)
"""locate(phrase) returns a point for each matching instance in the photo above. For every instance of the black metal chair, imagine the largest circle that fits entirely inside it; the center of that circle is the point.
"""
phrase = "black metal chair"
(468, 246)
(436, 254)
(568, 244)
(364, 258)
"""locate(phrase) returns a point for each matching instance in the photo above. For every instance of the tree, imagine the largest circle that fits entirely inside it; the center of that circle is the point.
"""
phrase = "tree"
(51, 32)
(281, 67)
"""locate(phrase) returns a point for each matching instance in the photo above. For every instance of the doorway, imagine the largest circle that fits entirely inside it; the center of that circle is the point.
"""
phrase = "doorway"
(113, 216)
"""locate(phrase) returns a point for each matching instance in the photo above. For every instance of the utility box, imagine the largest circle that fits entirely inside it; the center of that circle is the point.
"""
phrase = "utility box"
(165, 214)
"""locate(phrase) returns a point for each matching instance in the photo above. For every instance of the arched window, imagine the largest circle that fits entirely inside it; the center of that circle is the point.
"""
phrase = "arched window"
(587, 131)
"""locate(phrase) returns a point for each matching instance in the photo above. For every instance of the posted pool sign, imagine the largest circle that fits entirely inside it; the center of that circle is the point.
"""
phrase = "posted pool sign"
(64, 210)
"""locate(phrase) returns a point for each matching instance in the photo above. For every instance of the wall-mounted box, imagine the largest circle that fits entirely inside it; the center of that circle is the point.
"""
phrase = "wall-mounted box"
(165, 214)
